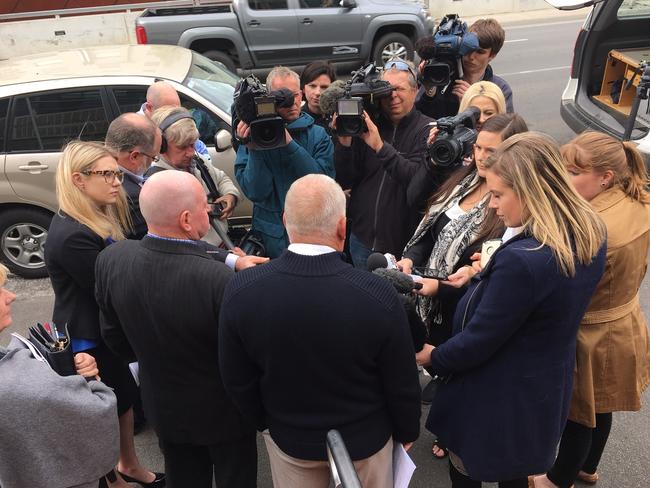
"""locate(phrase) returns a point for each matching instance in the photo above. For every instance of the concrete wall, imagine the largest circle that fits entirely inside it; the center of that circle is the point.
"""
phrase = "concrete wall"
(470, 8)
(51, 34)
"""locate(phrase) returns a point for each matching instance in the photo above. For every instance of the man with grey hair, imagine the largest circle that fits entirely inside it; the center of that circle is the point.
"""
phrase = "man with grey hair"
(178, 152)
(159, 302)
(326, 346)
(135, 141)
(266, 175)
(379, 165)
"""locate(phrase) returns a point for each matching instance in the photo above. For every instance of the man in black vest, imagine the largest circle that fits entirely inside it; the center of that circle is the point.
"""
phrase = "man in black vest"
(307, 344)
(159, 300)
(379, 165)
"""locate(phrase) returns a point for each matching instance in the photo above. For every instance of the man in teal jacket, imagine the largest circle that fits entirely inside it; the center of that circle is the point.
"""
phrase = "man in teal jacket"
(266, 175)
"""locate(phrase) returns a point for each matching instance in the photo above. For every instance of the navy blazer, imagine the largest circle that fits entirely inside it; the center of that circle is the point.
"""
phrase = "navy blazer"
(510, 363)
(70, 254)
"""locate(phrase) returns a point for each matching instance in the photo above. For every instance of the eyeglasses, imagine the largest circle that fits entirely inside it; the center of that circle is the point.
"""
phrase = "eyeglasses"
(154, 159)
(108, 174)
(400, 66)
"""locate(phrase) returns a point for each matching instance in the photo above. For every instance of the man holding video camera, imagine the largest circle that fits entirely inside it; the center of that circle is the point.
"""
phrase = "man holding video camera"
(268, 162)
(377, 166)
(443, 100)
(177, 152)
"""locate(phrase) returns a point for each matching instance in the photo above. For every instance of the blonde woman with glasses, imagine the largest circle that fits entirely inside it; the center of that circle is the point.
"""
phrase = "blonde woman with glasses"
(509, 365)
(93, 213)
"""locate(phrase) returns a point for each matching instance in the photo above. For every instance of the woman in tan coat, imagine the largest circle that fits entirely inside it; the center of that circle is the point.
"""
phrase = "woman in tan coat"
(613, 348)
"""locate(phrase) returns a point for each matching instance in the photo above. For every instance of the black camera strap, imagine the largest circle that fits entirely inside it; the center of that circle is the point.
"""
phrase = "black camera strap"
(213, 195)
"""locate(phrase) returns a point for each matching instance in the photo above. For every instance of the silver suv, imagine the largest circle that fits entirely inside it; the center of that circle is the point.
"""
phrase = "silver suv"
(48, 99)
(610, 46)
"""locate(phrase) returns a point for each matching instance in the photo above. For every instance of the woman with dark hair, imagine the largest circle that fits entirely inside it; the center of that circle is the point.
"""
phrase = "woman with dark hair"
(613, 351)
(455, 224)
(314, 80)
(93, 213)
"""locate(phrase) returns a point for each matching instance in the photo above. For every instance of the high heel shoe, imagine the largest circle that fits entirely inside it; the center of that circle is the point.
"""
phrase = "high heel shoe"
(158, 482)
(589, 478)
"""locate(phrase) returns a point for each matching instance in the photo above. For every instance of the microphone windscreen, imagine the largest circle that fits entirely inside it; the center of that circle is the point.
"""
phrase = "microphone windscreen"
(330, 97)
(402, 282)
(245, 106)
(426, 47)
(376, 260)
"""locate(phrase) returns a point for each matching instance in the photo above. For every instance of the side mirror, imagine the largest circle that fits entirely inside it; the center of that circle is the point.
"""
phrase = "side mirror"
(348, 4)
(222, 140)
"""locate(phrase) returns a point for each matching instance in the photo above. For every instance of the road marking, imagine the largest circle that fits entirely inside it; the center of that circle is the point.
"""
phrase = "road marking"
(544, 24)
(516, 40)
(534, 71)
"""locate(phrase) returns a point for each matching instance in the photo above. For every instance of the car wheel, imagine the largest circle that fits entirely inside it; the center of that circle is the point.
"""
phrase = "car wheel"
(392, 46)
(223, 58)
(22, 240)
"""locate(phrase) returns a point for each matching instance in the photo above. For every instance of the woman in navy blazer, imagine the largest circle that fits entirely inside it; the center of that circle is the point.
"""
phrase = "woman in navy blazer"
(93, 213)
(508, 369)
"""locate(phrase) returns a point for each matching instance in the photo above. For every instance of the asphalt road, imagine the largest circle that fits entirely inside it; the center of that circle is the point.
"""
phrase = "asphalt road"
(535, 62)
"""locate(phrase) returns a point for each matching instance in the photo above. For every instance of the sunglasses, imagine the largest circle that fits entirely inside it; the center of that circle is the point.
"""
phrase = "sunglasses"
(400, 66)
(108, 174)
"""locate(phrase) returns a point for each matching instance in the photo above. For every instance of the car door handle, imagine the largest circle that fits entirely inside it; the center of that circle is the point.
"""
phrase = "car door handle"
(307, 21)
(254, 23)
(33, 167)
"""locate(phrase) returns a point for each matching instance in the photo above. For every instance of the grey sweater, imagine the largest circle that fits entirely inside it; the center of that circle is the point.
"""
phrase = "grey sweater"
(57, 432)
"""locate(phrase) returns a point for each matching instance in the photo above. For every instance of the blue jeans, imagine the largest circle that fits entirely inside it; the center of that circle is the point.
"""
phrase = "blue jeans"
(359, 252)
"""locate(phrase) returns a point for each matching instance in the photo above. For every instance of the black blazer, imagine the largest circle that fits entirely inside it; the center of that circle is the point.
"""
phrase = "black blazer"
(160, 303)
(70, 253)
(132, 188)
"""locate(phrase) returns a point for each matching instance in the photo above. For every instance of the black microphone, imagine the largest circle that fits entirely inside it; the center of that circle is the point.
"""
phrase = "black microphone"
(245, 106)
(379, 260)
(330, 97)
(426, 47)
(402, 282)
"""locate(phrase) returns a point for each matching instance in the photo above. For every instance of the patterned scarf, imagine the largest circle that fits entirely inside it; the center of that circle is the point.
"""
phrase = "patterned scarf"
(451, 242)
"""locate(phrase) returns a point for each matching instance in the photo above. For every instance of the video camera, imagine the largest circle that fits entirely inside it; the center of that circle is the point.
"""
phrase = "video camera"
(257, 107)
(349, 100)
(444, 51)
(456, 138)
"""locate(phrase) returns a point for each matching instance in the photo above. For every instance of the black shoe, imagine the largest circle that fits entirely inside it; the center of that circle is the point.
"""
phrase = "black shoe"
(429, 392)
(158, 482)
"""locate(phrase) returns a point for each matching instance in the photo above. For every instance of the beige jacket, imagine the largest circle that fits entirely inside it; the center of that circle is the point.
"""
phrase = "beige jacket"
(613, 352)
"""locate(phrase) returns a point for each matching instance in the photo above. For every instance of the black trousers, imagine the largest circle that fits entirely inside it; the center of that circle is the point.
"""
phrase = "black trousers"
(581, 448)
(231, 464)
(459, 480)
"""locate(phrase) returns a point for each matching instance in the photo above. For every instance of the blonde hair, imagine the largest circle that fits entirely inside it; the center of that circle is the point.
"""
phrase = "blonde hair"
(182, 132)
(110, 220)
(601, 152)
(554, 213)
(4, 271)
(484, 89)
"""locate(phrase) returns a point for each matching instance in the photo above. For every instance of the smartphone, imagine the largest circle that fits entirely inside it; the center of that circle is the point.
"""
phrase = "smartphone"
(429, 273)
(487, 249)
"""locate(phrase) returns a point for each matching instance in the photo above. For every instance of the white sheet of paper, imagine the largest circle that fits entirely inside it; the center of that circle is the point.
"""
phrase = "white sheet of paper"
(403, 466)
(135, 371)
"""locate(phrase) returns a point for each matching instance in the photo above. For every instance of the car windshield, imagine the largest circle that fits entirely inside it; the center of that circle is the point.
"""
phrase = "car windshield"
(212, 81)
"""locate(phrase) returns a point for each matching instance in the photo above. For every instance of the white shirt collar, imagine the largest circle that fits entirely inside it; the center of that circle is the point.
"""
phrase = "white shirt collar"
(310, 249)
(511, 232)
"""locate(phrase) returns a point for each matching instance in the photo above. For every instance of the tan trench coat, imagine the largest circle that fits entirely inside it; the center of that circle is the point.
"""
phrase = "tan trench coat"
(613, 352)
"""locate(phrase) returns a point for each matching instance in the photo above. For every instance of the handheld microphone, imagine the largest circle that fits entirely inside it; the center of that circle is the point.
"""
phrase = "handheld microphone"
(379, 260)
(330, 97)
(402, 282)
